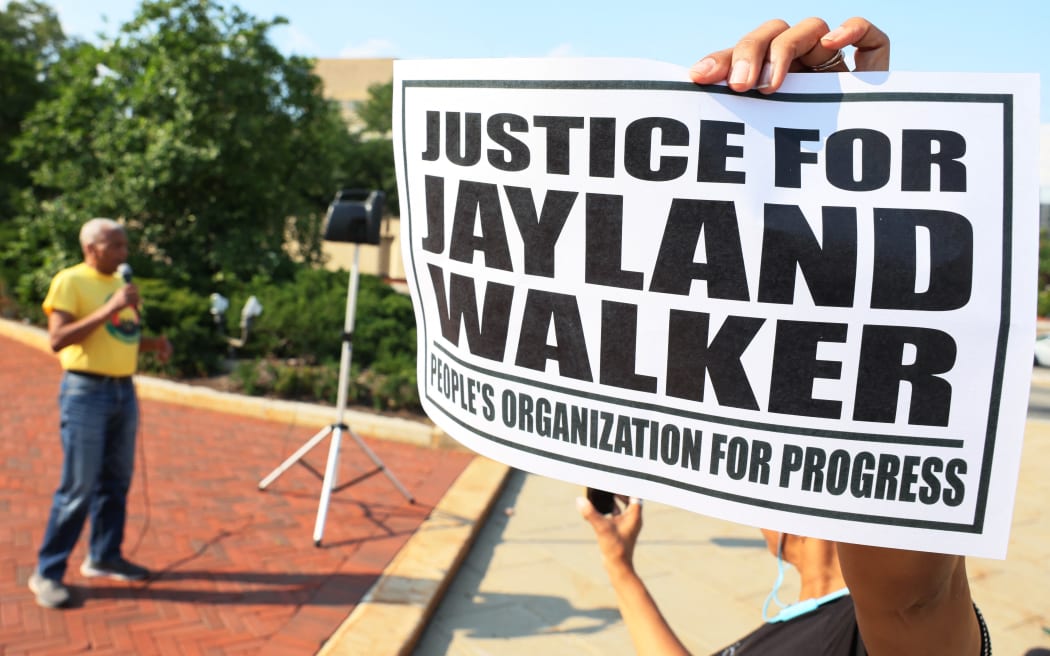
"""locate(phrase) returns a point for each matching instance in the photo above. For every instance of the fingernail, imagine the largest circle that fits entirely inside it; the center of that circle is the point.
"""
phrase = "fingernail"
(765, 77)
(635, 501)
(704, 66)
(741, 69)
(833, 34)
(581, 504)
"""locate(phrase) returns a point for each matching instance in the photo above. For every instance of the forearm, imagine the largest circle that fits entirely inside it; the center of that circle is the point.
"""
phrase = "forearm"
(63, 331)
(649, 631)
(617, 535)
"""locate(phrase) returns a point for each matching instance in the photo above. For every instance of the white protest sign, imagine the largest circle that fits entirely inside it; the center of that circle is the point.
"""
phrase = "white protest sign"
(812, 311)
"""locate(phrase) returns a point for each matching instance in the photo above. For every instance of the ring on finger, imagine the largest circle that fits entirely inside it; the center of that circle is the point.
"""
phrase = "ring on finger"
(831, 63)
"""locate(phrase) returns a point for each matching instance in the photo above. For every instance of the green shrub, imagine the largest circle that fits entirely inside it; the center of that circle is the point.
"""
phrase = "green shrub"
(295, 320)
(304, 318)
(253, 377)
(391, 386)
(295, 380)
(33, 250)
(300, 334)
(183, 318)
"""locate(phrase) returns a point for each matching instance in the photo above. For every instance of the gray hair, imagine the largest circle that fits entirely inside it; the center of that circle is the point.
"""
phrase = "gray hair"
(92, 231)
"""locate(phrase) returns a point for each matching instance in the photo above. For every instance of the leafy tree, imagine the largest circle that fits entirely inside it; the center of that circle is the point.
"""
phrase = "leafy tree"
(32, 27)
(370, 158)
(192, 126)
(378, 111)
(30, 40)
(370, 165)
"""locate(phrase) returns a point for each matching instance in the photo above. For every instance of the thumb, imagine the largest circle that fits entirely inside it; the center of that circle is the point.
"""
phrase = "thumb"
(633, 512)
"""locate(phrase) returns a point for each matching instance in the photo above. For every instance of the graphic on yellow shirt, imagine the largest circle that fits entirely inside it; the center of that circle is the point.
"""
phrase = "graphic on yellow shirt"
(124, 324)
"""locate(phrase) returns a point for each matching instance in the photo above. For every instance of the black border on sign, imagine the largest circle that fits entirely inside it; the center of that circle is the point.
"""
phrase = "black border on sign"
(977, 525)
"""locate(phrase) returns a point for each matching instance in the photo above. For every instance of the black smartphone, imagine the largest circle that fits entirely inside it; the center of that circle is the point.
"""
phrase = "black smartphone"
(604, 502)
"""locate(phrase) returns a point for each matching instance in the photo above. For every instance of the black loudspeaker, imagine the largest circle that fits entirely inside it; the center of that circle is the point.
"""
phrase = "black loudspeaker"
(355, 216)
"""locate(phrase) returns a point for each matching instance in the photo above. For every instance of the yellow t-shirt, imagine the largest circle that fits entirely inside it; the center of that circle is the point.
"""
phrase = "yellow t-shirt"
(110, 350)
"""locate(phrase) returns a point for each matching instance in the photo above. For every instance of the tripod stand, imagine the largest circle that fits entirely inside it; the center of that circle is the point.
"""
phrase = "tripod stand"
(339, 427)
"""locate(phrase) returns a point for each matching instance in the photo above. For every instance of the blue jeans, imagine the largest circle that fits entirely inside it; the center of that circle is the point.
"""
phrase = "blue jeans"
(99, 418)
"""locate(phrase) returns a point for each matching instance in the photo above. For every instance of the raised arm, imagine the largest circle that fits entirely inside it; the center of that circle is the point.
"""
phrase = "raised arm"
(617, 535)
(911, 602)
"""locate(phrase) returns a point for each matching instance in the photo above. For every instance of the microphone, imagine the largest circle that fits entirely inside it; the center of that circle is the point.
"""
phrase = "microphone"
(124, 269)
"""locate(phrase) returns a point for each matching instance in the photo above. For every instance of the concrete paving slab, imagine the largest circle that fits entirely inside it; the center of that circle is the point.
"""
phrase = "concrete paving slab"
(532, 582)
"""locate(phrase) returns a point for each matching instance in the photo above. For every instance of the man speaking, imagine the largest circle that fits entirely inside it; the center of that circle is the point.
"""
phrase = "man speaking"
(94, 326)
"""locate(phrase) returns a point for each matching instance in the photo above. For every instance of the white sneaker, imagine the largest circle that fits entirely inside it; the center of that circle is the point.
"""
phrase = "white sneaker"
(49, 592)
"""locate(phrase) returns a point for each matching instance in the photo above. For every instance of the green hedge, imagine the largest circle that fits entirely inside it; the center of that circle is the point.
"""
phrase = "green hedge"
(293, 348)
(183, 318)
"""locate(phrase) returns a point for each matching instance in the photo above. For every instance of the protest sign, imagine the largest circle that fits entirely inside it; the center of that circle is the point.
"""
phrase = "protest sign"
(811, 311)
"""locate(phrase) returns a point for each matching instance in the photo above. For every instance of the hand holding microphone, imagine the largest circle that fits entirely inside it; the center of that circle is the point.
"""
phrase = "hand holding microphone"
(159, 345)
(128, 296)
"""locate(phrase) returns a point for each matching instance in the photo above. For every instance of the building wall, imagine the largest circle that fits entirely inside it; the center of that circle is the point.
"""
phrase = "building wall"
(347, 80)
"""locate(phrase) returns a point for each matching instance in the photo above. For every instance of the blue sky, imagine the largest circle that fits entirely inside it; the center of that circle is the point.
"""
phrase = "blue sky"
(1003, 36)
(927, 35)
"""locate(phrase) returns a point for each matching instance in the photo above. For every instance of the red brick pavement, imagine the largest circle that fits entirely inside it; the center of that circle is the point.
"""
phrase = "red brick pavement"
(237, 569)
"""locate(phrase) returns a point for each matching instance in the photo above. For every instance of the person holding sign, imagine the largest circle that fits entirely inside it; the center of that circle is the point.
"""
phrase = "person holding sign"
(854, 599)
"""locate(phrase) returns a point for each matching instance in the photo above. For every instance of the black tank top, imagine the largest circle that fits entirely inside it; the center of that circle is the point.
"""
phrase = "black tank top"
(829, 630)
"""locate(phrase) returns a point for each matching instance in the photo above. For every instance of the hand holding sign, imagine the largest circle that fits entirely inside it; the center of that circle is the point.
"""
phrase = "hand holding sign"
(762, 58)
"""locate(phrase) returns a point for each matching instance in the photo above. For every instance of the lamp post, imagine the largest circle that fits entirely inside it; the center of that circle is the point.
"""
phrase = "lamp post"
(219, 305)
